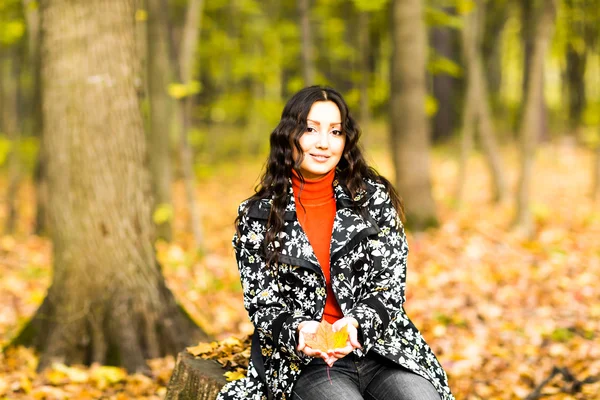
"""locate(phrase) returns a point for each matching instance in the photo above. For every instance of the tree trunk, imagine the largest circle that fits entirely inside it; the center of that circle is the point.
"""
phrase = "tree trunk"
(468, 129)
(596, 187)
(160, 115)
(531, 120)
(195, 379)
(308, 64)
(496, 15)
(483, 113)
(364, 49)
(410, 140)
(32, 20)
(443, 86)
(576, 62)
(108, 302)
(529, 33)
(10, 125)
(185, 61)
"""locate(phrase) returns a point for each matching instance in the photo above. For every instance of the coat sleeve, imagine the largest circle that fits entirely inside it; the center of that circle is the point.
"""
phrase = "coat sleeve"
(384, 293)
(270, 313)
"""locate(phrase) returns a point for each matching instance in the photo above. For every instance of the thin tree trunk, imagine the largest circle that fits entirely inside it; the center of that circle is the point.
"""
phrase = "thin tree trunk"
(410, 142)
(308, 64)
(466, 137)
(364, 45)
(596, 186)
(532, 117)
(108, 302)
(160, 112)
(189, 43)
(496, 15)
(10, 126)
(443, 86)
(483, 114)
(528, 31)
(32, 19)
(576, 63)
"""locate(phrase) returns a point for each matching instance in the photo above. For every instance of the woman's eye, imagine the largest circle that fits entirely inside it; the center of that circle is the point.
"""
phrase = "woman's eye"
(337, 132)
(310, 129)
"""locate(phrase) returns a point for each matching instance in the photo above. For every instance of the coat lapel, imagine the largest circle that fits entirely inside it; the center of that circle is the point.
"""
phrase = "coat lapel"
(349, 227)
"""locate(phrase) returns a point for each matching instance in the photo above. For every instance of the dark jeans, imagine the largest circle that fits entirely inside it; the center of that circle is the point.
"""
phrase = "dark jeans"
(372, 377)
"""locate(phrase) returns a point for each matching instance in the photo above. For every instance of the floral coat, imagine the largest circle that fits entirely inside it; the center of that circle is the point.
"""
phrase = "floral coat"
(368, 274)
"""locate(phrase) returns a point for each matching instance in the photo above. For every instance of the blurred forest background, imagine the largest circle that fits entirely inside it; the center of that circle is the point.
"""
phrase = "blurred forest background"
(130, 130)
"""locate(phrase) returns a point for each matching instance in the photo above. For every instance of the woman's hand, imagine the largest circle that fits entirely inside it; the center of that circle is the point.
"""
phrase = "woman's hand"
(330, 357)
(352, 342)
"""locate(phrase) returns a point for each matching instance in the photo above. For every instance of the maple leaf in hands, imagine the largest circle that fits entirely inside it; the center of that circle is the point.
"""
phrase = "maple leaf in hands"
(325, 339)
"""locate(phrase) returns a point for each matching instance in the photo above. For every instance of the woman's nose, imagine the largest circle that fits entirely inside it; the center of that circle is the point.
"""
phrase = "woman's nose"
(323, 141)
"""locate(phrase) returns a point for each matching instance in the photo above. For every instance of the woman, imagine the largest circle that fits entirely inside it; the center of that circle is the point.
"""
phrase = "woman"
(322, 240)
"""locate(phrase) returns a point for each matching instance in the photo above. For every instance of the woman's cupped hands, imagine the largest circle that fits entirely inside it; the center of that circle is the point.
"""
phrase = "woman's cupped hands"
(315, 333)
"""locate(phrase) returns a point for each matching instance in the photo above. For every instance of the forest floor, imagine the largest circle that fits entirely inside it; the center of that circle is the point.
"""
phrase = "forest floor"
(501, 311)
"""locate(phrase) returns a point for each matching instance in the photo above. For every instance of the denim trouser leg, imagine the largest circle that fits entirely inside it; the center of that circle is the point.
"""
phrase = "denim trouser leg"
(351, 378)
(400, 384)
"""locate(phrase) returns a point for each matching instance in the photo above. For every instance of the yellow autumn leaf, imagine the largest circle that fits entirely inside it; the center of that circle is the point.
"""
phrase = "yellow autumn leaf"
(75, 375)
(108, 374)
(234, 375)
(340, 338)
(200, 348)
(25, 384)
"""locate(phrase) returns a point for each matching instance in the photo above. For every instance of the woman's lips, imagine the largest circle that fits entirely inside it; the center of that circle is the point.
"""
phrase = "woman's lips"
(320, 158)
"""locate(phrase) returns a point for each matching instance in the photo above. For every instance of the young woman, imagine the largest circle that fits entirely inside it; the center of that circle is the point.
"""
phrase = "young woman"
(322, 239)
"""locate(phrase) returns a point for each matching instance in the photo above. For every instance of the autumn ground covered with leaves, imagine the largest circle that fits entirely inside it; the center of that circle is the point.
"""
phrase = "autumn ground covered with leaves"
(501, 311)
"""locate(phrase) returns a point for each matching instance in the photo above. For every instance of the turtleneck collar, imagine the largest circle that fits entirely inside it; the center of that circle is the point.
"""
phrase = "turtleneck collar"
(315, 191)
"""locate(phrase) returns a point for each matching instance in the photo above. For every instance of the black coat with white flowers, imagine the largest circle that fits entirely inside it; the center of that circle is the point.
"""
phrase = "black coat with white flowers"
(368, 275)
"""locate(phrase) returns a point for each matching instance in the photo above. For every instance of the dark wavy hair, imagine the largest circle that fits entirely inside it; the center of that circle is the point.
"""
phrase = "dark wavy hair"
(352, 169)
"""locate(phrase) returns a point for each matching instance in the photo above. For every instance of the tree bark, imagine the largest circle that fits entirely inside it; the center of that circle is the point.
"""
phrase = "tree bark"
(443, 86)
(496, 15)
(185, 63)
(108, 302)
(308, 64)
(467, 133)
(10, 125)
(32, 20)
(480, 102)
(596, 185)
(529, 34)
(160, 113)
(410, 140)
(531, 121)
(576, 62)
(364, 46)
(195, 379)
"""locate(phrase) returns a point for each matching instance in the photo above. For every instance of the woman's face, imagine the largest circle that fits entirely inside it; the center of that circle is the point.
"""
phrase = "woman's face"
(323, 142)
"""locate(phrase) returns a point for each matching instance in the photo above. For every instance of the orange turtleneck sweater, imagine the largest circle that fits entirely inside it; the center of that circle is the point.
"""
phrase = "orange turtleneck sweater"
(316, 218)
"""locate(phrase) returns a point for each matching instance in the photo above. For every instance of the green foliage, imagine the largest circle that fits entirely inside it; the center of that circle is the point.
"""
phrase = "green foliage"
(141, 15)
(562, 335)
(438, 65)
(12, 22)
(431, 105)
(180, 90)
(438, 17)
(370, 5)
(163, 213)
(5, 146)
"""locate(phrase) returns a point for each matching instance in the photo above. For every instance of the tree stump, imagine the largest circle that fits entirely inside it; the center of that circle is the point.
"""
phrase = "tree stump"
(195, 379)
